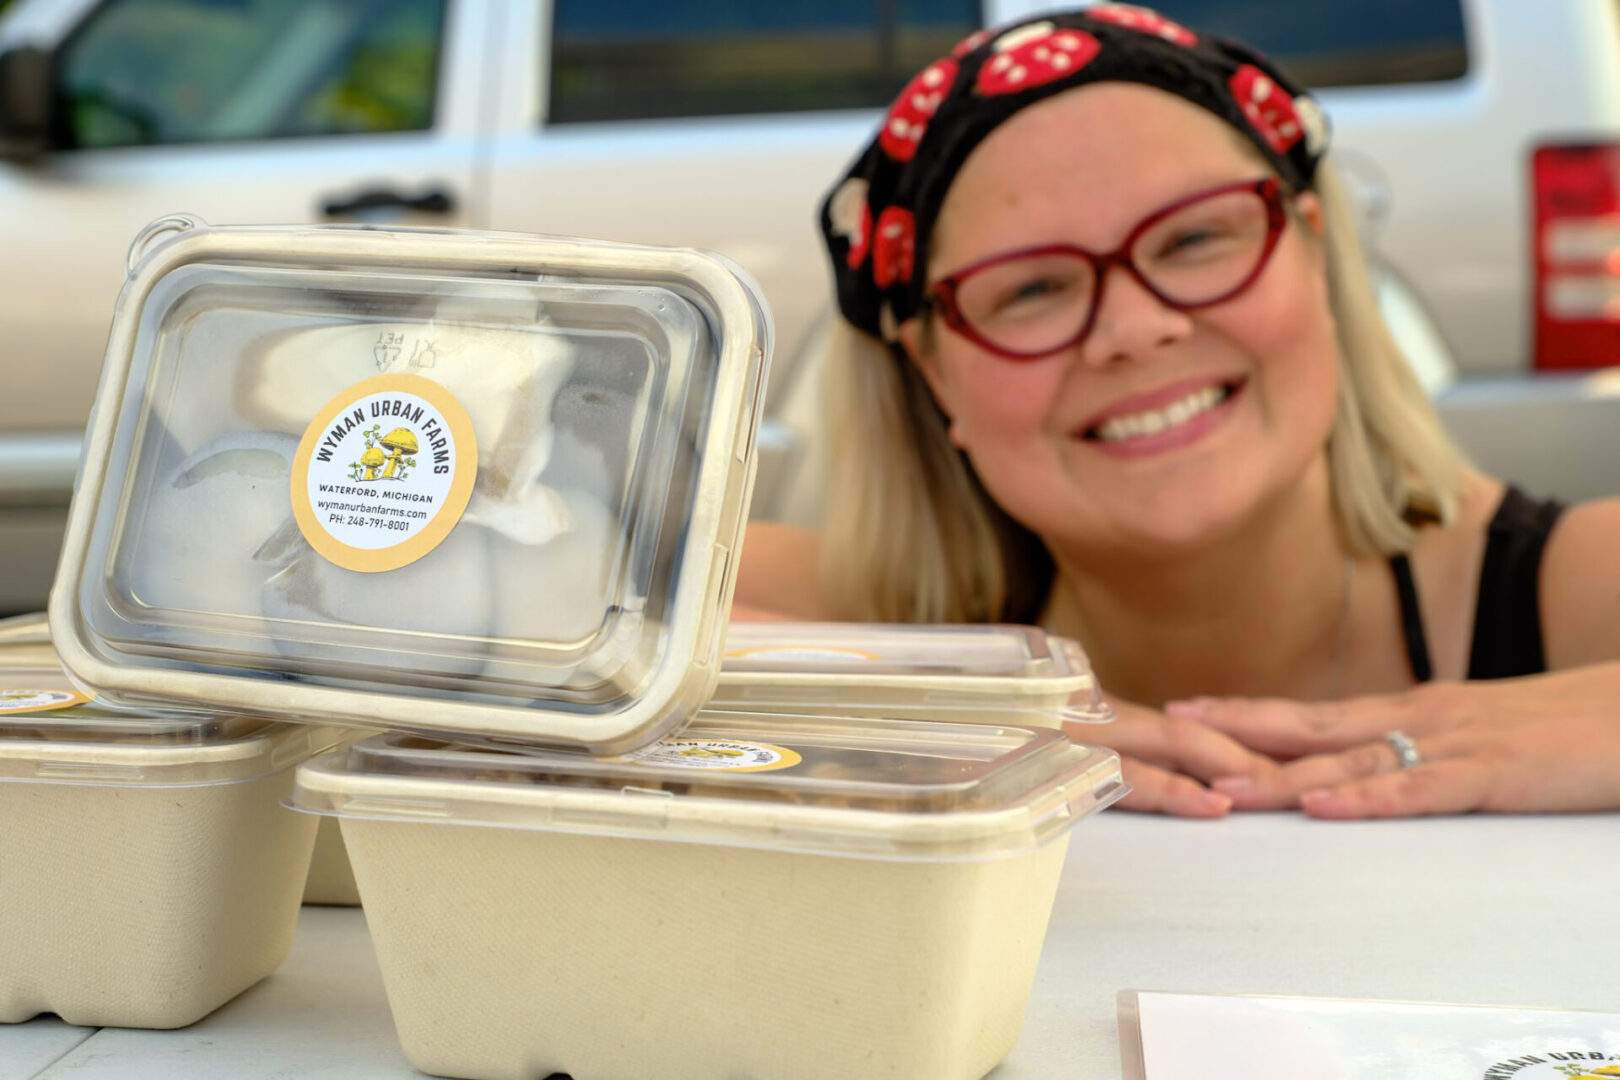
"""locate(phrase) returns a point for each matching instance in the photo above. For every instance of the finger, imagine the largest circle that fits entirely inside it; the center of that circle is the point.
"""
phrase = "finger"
(1177, 745)
(1279, 787)
(1156, 790)
(1289, 729)
(1455, 786)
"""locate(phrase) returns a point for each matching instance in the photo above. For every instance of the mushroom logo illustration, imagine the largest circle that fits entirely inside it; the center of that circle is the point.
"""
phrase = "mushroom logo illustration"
(389, 452)
(1579, 1072)
(399, 442)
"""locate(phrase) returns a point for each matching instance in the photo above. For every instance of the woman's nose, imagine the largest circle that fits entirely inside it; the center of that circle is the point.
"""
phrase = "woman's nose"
(1130, 322)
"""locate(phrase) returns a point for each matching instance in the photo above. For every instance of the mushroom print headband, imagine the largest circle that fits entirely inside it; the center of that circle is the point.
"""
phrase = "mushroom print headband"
(877, 221)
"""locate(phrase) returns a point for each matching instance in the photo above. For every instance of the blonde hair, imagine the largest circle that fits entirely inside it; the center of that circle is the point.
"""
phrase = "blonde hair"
(911, 535)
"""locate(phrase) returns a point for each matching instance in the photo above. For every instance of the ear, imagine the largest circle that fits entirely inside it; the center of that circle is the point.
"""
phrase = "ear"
(910, 335)
(1309, 205)
(911, 340)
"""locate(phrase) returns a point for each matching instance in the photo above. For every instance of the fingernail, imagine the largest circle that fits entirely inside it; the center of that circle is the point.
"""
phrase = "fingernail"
(1190, 709)
(1315, 797)
(1233, 785)
(1216, 803)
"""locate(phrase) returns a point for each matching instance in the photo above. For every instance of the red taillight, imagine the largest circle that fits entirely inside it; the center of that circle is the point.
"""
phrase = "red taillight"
(1577, 253)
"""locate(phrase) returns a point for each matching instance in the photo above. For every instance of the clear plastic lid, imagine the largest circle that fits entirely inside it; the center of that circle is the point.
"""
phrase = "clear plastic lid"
(25, 649)
(477, 484)
(24, 630)
(58, 737)
(908, 668)
(862, 788)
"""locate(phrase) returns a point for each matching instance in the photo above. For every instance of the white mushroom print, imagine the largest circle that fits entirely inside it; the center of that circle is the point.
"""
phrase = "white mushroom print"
(909, 115)
(1032, 55)
(1314, 121)
(1140, 18)
(893, 247)
(851, 217)
(1268, 108)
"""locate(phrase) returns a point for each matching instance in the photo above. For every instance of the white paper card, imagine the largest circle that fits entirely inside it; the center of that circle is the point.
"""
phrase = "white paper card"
(1166, 1036)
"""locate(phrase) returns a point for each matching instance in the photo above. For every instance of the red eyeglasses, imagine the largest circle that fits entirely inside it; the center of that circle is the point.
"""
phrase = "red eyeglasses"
(1193, 253)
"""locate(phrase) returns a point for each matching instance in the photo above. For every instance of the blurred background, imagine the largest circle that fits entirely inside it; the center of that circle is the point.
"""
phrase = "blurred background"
(1481, 139)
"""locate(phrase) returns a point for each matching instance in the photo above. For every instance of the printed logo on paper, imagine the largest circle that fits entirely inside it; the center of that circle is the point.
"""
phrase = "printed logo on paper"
(801, 652)
(714, 754)
(30, 701)
(384, 472)
(1565, 1064)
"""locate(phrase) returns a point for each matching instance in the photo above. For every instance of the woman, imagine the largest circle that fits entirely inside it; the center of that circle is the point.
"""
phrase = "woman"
(1113, 365)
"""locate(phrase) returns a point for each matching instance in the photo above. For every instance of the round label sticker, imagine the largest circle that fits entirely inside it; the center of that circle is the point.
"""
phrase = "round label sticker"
(714, 754)
(801, 652)
(26, 701)
(384, 472)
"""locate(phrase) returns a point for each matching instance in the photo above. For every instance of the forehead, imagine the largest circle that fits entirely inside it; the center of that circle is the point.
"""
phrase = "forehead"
(1084, 165)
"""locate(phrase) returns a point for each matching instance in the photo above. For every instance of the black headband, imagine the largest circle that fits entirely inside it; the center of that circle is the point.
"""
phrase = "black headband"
(877, 221)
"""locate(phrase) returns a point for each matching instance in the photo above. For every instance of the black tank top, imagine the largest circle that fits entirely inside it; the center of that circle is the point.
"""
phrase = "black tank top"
(1507, 616)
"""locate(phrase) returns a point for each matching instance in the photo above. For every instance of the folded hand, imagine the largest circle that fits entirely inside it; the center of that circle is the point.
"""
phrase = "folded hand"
(1536, 744)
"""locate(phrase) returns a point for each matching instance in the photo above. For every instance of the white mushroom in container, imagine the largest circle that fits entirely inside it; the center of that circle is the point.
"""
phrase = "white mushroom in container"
(193, 541)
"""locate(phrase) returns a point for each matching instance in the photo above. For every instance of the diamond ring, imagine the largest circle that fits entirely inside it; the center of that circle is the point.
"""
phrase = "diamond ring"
(1406, 751)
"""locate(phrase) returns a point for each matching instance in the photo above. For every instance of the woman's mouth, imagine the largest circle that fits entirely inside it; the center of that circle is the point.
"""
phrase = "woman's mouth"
(1146, 424)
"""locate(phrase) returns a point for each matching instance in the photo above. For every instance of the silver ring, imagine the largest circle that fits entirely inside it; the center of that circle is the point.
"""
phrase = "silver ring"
(1406, 751)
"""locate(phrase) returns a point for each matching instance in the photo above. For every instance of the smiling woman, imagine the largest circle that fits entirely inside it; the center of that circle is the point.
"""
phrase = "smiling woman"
(1111, 364)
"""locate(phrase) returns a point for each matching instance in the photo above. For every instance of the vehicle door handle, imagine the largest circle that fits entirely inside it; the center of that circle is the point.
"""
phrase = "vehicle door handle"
(432, 201)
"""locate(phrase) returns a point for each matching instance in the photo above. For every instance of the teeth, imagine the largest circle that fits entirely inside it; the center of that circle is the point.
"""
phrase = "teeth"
(1154, 421)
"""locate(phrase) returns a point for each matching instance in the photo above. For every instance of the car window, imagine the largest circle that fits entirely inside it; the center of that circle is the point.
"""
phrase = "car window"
(1367, 42)
(180, 71)
(641, 59)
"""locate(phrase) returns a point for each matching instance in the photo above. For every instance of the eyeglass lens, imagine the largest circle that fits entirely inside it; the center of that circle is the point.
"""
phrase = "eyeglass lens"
(1195, 255)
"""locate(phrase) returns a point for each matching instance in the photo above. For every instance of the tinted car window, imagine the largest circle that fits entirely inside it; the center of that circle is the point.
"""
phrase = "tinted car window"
(1341, 44)
(640, 59)
(179, 71)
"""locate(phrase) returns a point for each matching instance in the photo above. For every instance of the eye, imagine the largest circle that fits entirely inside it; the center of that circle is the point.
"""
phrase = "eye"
(1191, 241)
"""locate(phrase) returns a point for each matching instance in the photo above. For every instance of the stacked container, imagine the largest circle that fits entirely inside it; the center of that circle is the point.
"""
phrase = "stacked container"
(485, 493)
(759, 896)
(151, 872)
(977, 673)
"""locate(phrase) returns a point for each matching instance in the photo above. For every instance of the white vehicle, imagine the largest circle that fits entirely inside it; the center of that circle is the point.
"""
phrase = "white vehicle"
(1485, 135)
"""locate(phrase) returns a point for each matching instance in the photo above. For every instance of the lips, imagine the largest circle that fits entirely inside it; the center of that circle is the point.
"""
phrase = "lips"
(1166, 409)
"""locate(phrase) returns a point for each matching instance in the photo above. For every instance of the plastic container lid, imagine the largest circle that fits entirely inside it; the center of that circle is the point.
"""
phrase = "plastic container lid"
(62, 739)
(886, 789)
(908, 668)
(477, 484)
(25, 646)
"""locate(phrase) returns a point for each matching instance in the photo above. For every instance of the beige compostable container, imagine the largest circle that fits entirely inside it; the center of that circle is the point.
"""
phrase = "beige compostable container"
(486, 486)
(28, 663)
(761, 896)
(987, 674)
(151, 873)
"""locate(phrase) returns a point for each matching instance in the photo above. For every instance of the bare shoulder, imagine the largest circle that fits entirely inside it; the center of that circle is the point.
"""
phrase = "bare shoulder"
(777, 574)
(1580, 585)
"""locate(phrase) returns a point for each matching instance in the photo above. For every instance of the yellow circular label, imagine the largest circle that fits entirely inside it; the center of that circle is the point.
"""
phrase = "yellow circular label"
(384, 472)
(714, 754)
(31, 701)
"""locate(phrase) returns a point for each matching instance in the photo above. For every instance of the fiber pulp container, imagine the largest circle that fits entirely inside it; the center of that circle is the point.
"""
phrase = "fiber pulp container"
(759, 896)
(151, 873)
(28, 661)
(478, 485)
(984, 674)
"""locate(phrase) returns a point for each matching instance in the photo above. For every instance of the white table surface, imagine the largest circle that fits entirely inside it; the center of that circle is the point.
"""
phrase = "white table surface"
(1506, 911)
